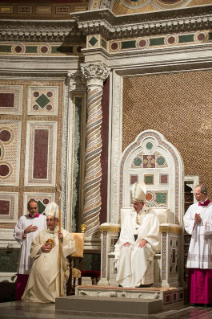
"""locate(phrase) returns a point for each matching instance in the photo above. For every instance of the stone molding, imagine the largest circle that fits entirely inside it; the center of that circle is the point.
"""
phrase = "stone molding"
(95, 73)
(110, 26)
(50, 31)
(77, 81)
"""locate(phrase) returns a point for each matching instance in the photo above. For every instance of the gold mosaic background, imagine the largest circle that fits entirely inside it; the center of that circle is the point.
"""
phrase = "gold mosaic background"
(119, 8)
(24, 118)
(180, 107)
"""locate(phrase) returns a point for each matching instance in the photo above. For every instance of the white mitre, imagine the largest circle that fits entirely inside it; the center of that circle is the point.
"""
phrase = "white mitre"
(52, 210)
(138, 192)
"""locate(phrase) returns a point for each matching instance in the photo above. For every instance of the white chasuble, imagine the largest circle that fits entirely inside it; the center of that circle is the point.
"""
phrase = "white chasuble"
(43, 284)
(25, 261)
(132, 262)
(200, 248)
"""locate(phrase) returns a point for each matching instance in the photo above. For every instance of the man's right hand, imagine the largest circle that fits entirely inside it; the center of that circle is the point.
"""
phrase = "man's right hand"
(126, 244)
(30, 229)
(46, 248)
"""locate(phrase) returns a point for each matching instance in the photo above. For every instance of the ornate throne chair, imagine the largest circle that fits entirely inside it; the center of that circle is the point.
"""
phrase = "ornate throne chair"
(156, 162)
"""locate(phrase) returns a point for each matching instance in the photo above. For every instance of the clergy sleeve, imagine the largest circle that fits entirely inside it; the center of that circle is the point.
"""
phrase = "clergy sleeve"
(188, 221)
(36, 245)
(19, 231)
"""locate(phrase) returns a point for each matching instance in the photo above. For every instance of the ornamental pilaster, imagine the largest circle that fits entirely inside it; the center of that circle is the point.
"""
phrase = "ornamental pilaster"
(95, 74)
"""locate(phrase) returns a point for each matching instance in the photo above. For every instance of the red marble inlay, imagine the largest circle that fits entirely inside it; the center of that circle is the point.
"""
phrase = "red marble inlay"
(201, 36)
(114, 46)
(49, 107)
(49, 94)
(18, 49)
(171, 40)
(133, 179)
(164, 179)
(40, 154)
(5, 136)
(35, 107)
(4, 170)
(142, 43)
(4, 207)
(44, 49)
(36, 94)
(7, 99)
(45, 201)
(79, 49)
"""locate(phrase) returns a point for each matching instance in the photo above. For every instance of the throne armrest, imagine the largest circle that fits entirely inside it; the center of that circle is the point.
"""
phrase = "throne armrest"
(170, 228)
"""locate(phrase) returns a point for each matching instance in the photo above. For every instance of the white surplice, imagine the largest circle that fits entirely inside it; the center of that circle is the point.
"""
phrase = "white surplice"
(43, 284)
(132, 261)
(200, 248)
(25, 261)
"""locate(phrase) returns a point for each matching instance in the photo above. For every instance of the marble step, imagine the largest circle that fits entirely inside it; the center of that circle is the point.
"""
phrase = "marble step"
(108, 305)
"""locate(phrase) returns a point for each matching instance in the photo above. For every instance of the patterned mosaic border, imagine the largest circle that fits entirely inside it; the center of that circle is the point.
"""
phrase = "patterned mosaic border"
(51, 128)
(33, 49)
(10, 200)
(15, 92)
(162, 41)
(10, 139)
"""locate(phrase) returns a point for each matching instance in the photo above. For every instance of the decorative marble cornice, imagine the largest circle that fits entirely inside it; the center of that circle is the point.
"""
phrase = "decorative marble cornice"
(20, 30)
(104, 22)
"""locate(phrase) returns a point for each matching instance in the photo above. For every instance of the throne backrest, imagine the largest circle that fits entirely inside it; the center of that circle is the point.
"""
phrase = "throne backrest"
(164, 214)
(156, 163)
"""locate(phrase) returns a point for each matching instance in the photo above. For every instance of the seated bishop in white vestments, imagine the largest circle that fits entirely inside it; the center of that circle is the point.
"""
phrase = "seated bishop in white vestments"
(46, 281)
(138, 242)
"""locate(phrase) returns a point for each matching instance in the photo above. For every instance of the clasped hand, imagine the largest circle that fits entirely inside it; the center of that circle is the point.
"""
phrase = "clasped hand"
(197, 219)
(141, 244)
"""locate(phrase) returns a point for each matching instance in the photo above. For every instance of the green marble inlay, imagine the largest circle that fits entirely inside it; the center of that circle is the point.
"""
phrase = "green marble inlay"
(128, 45)
(149, 180)
(104, 43)
(93, 41)
(41, 207)
(62, 49)
(157, 41)
(31, 49)
(76, 164)
(5, 48)
(210, 35)
(91, 262)
(160, 160)
(42, 101)
(186, 38)
(9, 260)
(149, 145)
(137, 161)
(161, 198)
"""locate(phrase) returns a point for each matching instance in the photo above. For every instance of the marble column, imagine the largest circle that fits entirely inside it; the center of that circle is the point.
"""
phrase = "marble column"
(95, 74)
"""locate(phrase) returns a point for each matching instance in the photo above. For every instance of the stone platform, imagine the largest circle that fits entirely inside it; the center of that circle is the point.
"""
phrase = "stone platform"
(109, 299)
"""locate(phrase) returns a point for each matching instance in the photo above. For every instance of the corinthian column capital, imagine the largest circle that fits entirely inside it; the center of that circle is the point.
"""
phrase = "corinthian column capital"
(95, 73)
(77, 81)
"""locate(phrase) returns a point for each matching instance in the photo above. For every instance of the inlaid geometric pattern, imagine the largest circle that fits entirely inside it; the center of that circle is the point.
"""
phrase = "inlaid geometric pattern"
(11, 99)
(161, 41)
(42, 198)
(10, 136)
(149, 179)
(43, 100)
(183, 100)
(41, 153)
(173, 258)
(8, 207)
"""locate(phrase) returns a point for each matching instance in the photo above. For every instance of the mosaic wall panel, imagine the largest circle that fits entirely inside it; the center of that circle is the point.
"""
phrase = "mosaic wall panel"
(42, 198)
(8, 207)
(41, 153)
(43, 100)
(32, 10)
(172, 104)
(135, 6)
(10, 137)
(11, 99)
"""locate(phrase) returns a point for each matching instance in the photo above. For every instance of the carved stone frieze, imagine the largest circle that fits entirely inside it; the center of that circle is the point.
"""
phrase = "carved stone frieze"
(39, 31)
(112, 27)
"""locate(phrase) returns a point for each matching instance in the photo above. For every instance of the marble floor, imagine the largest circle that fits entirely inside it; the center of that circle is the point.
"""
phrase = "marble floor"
(18, 309)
